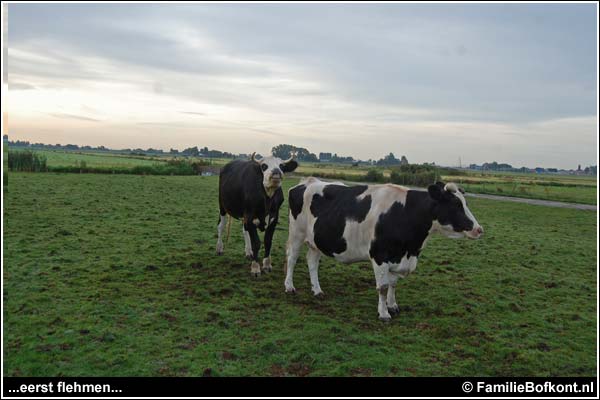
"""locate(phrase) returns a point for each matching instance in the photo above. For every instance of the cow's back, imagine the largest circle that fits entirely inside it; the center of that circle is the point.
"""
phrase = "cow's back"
(337, 219)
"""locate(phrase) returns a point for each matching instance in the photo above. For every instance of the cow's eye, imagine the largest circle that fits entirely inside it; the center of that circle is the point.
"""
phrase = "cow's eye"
(264, 167)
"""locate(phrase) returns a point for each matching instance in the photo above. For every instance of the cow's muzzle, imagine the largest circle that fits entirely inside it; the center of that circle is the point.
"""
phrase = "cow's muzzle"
(475, 233)
(276, 178)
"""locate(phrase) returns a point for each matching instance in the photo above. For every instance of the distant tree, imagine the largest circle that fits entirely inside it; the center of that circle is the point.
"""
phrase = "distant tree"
(403, 160)
(390, 159)
(191, 151)
(284, 151)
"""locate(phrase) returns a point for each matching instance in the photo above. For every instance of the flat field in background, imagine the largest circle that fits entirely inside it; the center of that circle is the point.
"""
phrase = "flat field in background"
(568, 188)
(116, 275)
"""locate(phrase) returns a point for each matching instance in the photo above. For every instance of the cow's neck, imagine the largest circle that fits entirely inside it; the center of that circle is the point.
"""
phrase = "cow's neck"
(424, 207)
(270, 191)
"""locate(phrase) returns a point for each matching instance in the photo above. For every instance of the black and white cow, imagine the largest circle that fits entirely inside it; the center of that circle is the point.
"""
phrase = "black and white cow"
(386, 224)
(251, 191)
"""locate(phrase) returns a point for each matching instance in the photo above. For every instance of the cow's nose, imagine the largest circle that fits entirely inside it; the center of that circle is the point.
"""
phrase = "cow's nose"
(276, 173)
(479, 230)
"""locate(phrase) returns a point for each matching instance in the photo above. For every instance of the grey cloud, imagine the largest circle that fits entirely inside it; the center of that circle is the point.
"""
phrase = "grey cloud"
(19, 86)
(73, 116)
(492, 61)
(193, 113)
(512, 64)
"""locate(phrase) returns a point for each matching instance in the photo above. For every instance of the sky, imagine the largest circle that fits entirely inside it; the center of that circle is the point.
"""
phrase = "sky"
(513, 83)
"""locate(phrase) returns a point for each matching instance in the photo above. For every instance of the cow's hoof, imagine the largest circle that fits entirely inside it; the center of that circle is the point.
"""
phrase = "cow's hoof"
(394, 310)
(385, 319)
(291, 290)
(249, 257)
(267, 267)
(320, 295)
(219, 253)
(255, 269)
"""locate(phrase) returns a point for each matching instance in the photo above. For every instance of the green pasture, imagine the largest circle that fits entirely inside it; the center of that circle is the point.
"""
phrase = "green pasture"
(116, 275)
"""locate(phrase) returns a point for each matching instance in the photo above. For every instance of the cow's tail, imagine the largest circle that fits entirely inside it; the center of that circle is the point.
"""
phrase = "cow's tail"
(228, 228)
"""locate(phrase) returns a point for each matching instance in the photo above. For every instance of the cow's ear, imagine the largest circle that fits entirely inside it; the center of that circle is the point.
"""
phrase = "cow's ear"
(289, 166)
(436, 193)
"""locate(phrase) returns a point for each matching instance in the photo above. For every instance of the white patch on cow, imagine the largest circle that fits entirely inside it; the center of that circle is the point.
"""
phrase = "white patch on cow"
(296, 235)
(451, 187)
(312, 259)
(271, 183)
(255, 268)
(247, 243)
(382, 284)
(267, 267)
(358, 241)
(359, 236)
(405, 267)
(474, 233)
(220, 229)
(446, 230)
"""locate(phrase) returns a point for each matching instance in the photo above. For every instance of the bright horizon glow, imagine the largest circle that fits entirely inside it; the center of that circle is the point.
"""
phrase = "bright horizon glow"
(514, 83)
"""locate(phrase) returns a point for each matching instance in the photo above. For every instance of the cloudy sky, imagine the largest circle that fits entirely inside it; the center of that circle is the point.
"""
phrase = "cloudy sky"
(513, 83)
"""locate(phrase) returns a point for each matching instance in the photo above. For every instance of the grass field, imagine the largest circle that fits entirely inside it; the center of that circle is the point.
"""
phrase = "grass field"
(574, 189)
(71, 158)
(115, 275)
(582, 195)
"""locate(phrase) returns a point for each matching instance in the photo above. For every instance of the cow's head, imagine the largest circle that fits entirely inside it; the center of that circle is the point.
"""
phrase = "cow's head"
(453, 217)
(273, 169)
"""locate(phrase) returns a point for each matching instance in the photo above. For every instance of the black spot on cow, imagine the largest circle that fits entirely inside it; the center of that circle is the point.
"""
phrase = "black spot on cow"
(290, 166)
(337, 205)
(403, 228)
(242, 195)
(296, 199)
(449, 209)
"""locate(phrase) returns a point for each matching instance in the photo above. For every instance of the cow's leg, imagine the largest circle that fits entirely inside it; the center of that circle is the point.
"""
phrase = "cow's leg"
(382, 283)
(247, 243)
(312, 258)
(220, 230)
(292, 251)
(267, 267)
(255, 242)
(392, 306)
(406, 266)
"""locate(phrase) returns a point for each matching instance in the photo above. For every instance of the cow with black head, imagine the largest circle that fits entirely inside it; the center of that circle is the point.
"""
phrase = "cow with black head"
(251, 191)
(385, 224)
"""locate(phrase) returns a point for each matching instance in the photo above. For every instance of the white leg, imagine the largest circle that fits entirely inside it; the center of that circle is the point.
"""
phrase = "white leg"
(292, 253)
(267, 264)
(382, 281)
(312, 258)
(392, 306)
(247, 243)
(255, 269)
(220, 229)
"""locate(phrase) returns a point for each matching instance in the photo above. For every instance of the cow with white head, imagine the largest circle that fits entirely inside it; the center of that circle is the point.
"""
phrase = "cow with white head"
(251, 191)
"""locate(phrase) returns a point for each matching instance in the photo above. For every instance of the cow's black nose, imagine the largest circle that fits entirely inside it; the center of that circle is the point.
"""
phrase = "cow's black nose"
(276, 173)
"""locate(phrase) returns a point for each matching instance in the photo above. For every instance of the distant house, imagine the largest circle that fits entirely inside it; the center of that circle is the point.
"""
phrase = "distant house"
(325, 157)
(209, 170)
